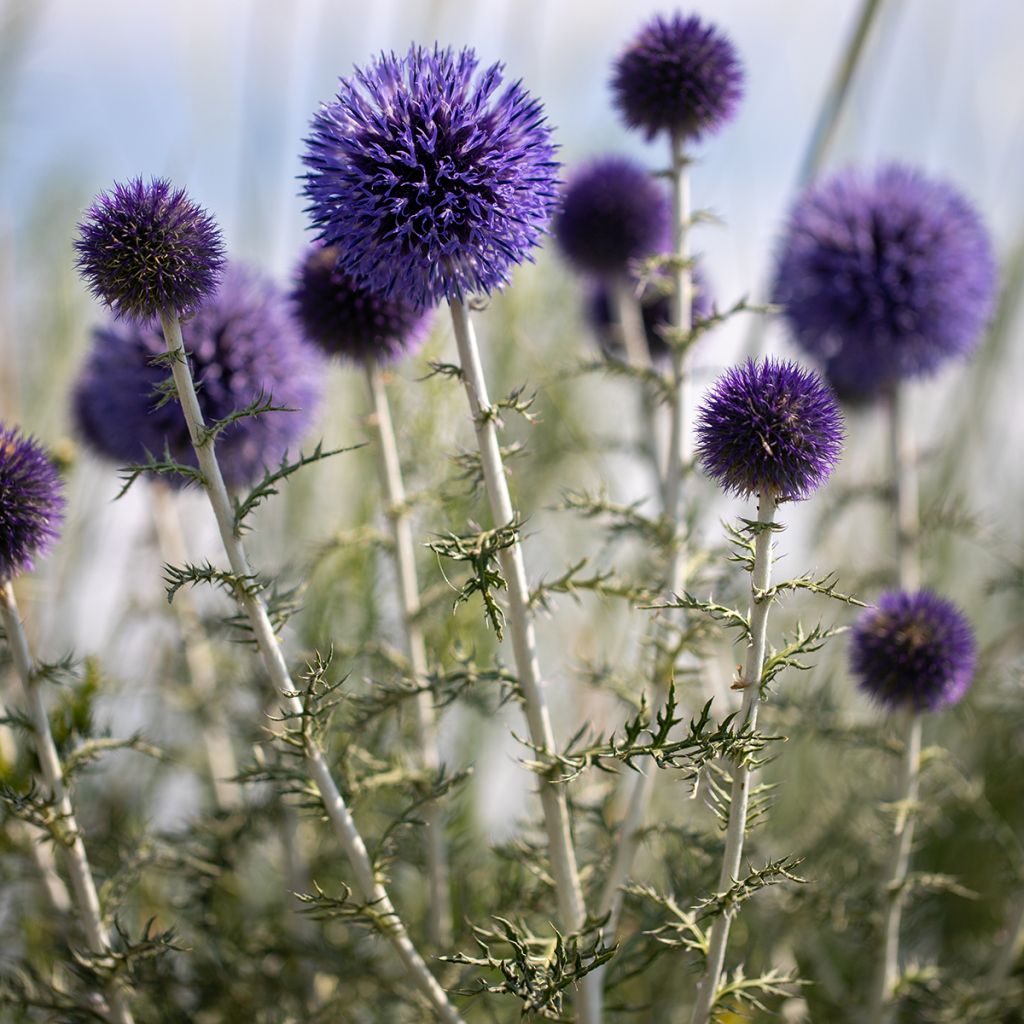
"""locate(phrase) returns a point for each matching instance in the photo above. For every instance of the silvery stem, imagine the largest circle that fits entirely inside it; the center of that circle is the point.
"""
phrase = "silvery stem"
(71, 843)
(440, 916)
(199, 662)
(367, 886)
(571, 909)
(739, 803)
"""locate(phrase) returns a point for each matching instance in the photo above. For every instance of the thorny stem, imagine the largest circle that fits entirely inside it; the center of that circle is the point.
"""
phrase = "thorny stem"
(71, 843)
(571, 909)
(907, 515)
(199, 663)
(440, 916)
(368, 887)
(739, 803)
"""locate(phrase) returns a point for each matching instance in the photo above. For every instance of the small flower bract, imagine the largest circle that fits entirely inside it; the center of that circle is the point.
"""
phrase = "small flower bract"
(679, 75)
(884, 276)
(612, 212)
(913, 650)
(431, 179)
(147, 249)
(31, 502)
(771, 427)
(347, 320)
(243, 344)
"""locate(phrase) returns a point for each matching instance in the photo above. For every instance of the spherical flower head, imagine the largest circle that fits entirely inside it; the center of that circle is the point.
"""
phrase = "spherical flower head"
(431, 179)
(679, 75)
(770, 427)
(913, 651)
(884, 276)
(242, 342)
(31, 502)
(656, 307)
(613, 212)
(345, 319)
(147, 249)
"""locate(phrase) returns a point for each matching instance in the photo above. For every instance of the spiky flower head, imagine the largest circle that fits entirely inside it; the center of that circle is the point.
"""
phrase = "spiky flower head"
(884, 276)
(432, 179)
(656, 307)
(345, 319)
(770, 427)
(678, 75)
(144, 249)
(31, 502)
(613, 212)
(913, 650)
(243, 344)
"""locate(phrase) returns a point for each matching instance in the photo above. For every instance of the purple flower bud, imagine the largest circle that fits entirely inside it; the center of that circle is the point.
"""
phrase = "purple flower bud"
(769, 427)
(31, 502)
(679, 76)
(431, 182)
(241, 341)
(345, 319)
(884, 277)
(613, 212)
(146, 249)
(913, 650)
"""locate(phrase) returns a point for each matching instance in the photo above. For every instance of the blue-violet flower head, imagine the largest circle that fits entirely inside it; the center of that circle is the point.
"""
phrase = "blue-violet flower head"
(431, 179)
(770, 427)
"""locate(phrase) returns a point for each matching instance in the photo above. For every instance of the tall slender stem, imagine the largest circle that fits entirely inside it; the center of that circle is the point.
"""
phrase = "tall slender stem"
(440, 915)
(568, 892)
(739, 803)
(368, 886)
(72, 844)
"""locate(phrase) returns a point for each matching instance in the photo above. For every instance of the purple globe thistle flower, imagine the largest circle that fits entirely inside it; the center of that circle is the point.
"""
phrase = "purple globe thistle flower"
(656, 307)
(347, 320)
(612, 212)
(242, 342)
(769, 427)
(431, 182)
(679, 75)
(149, 249)
(913, 650)
(31, 502)
(884, 277)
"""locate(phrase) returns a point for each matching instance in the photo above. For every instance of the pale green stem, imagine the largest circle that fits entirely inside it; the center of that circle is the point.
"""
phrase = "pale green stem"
(739, 803)
(71, 843)
(440, 915)
(368, 887)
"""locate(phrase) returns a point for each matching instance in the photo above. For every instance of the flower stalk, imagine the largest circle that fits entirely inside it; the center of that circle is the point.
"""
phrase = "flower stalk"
(367, 886)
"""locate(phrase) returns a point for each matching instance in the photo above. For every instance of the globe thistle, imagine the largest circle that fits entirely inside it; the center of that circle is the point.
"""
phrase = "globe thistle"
(679, 75)
(613, 212)
(242, 341)
(884, 276)
(149, 249)
(771, 427)
(656, 307)
(31, 502)
(431, 182)
(913, 650)
(347, 320)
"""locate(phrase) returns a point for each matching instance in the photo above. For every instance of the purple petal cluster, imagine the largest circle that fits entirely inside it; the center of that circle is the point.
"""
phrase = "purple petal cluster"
(913, 650)
(679, 75)
(613, 212)
(884, 276)
(770, 427)
(31, 502)
(146, 249)
(431, 179)
(656, 307)
(242, 341)
(345, 319)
